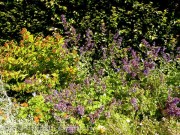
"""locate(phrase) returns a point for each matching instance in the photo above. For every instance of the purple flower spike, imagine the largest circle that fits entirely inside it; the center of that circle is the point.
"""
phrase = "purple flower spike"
(71, 129)
(133, 53)
(172, 108)
(145, 43)
(80, 110)
(116, 36)
(146, 71)
(28, 81)
(127, 68)
(133, 74)
(63, 18)
(157, 50)
(55, 92)
(61, 106)
(119, 41)
(78, 37)
(134, 63)
(87, 82)
(134, 103)
(125, 61)
(167, 57)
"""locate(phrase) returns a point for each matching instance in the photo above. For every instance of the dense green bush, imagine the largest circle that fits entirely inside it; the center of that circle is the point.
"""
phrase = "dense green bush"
(37, 64)
(17, 14)
(133, 20)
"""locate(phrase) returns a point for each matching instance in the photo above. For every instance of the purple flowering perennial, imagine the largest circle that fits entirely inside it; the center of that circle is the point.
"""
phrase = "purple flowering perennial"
(116, 36)
(166, 57)
(127, 68)
(63, 19)
(134, 103)
(133, 53)
(71, 129)
(28, 81)
(119, 41)
(145, 43)
(146, 71)
(80, 110)
(171, 107)
(55, 92)
(61, 106)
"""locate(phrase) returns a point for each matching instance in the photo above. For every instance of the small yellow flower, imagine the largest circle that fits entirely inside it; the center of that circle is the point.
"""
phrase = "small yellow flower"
(101, 129)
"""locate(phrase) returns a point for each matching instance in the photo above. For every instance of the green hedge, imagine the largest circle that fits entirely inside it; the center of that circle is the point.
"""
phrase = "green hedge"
(134, 20)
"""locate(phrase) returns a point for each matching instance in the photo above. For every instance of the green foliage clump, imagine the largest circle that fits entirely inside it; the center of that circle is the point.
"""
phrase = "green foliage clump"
(37, 64)
(133, 20)
(35, 108)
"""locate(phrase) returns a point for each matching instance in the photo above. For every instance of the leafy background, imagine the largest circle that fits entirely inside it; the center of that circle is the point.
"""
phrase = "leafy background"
(90, 67)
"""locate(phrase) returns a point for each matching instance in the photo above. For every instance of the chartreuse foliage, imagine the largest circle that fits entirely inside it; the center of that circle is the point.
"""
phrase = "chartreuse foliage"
(36, 108)
(37, 64)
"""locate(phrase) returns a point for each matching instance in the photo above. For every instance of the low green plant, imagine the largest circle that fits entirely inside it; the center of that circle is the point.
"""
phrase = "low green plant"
(36, 108)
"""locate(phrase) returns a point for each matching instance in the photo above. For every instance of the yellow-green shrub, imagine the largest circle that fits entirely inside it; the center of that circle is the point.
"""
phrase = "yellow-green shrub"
(37, 64)
(36, 108)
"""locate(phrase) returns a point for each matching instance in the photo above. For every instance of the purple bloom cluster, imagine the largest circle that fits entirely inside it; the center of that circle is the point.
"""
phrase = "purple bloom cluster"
(146, 43)
(134, 103)
(117, 39)
(96, 114)
(72, 36)
(65, 24)
(135, 65)
(63, 106)
(89, 43)
(166, 56)
(63, 101)
(172, 108)
(71, 129)
(132, 66)
(28, 81)
(80, 110)
(155, 51)
(87, 81)
(126, 65)
(148, 66)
